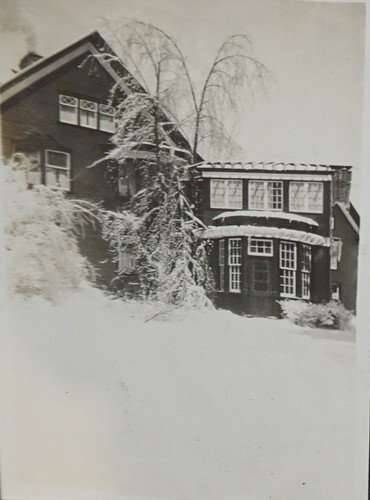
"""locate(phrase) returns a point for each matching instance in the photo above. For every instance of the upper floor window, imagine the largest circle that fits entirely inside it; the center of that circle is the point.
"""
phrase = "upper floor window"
(86, 113)
(226, 193)
(306, 197)
(68, 109)
(58, 169)
(265, 195)
(106, 118)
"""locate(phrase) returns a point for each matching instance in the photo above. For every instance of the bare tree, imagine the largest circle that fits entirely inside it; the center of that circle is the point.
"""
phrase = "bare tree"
(164, 121)
(169, 93)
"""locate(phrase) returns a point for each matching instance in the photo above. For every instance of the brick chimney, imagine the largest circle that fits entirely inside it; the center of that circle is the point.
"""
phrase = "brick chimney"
(342, 185)
(28, 59)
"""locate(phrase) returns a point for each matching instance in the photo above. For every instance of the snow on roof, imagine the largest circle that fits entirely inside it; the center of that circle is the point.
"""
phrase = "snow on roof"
(267, 214)
(271, 166)
(265, 232)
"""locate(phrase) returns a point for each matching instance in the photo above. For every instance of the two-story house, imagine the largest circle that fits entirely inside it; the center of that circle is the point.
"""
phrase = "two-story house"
(59, 110)
(273, 232)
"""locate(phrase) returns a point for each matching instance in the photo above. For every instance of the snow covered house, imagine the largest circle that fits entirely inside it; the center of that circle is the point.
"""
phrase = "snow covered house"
(58, 110)
(280, 231)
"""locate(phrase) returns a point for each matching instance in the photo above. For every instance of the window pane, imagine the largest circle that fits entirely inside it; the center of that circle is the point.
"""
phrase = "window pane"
(275, 195)
(260, 247)
(56, 159)
(218, 192)
(56, 177)
(256, 192)
(68, 114)
(235, 260)
(106, 123)
(315, 197)
(235, 194)
(88, 119)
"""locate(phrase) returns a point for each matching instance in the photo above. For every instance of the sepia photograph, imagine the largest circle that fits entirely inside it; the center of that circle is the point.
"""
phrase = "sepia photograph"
(184, 290)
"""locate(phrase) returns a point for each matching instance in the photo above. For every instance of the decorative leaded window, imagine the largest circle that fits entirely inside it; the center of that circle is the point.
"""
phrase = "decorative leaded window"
(288, 269)
(68, 109)
(306, 197)
(235, 263)
(88, 114)
(260, 246)
(106, 118)
(57, 169)
(265, 195)
(221, 264)
(226, 193)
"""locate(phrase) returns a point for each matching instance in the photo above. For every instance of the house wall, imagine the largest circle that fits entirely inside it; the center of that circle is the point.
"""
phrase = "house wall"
(30, 123)
(32, 117)
(207, 214)
(346, 274)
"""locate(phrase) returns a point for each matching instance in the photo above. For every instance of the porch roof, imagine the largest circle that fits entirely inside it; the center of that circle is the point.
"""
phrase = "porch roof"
(215, 232)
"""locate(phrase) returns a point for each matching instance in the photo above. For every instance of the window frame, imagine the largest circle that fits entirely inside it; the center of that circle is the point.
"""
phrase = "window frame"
(287, 271)
(221, 264)
(85, 109)
(226, 197)
(57, 167)
(106, 113)
(235, 265)
(73, 106)
(305, 208)
(267, 194)
(257, 253)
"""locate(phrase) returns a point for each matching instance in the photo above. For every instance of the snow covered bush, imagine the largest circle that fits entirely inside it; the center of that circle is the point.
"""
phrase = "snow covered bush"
(330, 315)
(41, 226)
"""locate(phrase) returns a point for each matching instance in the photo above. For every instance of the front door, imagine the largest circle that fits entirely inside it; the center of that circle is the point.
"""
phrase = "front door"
(261, 300)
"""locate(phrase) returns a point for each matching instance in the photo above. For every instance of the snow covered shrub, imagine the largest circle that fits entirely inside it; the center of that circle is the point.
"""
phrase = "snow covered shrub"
(330, 315)
(41, 226)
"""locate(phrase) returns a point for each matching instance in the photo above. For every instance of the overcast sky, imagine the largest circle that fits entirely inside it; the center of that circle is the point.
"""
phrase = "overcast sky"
(315, 51)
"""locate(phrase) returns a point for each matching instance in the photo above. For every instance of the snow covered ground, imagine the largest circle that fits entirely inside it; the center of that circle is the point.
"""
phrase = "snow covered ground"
(99, 404)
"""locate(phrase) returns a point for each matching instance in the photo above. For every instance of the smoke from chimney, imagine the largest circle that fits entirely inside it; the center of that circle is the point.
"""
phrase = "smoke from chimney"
(13, 21)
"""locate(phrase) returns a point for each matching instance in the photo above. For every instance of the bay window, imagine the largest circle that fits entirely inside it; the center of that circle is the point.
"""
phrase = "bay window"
(221, 264)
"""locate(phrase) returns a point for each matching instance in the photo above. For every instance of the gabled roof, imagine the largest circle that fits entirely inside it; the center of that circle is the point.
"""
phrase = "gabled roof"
(92, 43)
(270, 167)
